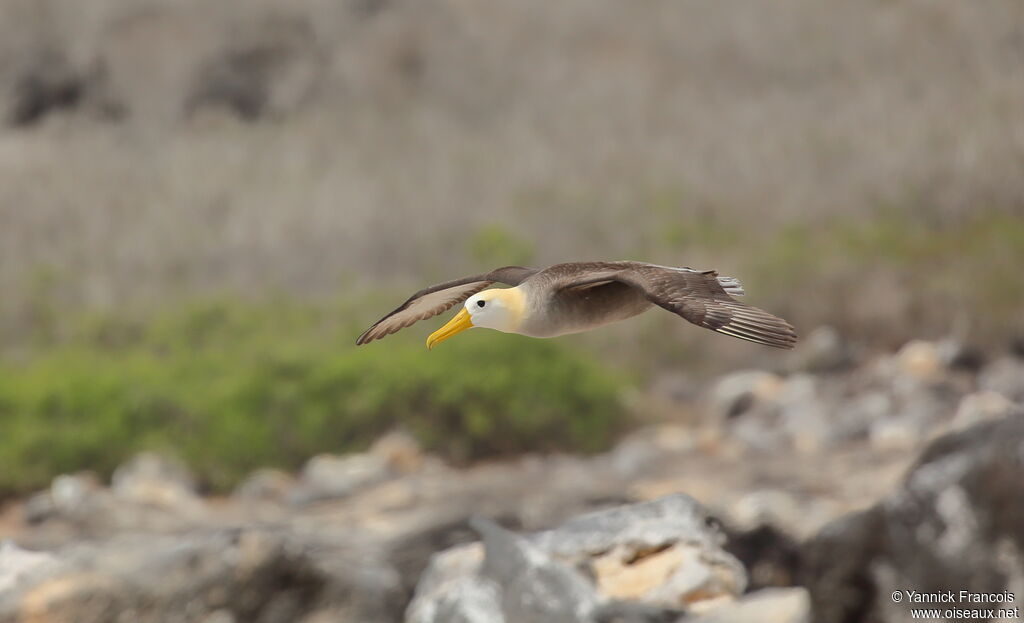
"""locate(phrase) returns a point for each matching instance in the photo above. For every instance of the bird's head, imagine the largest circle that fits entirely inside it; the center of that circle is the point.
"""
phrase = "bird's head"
(500, 309)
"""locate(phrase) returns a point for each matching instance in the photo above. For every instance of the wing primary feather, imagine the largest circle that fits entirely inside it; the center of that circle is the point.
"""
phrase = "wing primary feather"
(756, 340)
(768, 331)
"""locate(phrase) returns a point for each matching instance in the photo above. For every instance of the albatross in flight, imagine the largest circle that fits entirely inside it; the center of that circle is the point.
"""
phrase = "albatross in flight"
(575, 297)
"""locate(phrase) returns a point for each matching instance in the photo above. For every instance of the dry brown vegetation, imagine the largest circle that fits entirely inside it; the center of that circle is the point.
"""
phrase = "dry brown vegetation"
(156, 150)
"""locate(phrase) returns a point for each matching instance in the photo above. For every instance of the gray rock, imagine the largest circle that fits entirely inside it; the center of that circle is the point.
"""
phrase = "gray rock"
(954, 522)
(504, 579)
(772, 605)
(980, 407)
(958, 355)
(647, 524)
(150, 466)
(39, 507)
(746, 406)
(666, 552)
(452, 590)
(647, 446)
(266, 485)
(267, 576)
(156, 480)
(70, 491)
(468, 600)
(327, 476)
(896, 434)
(805, 417)
(67, 496)
(534, 587)
(628, 563)
(919, 409)
(77, 507)
(769, 413)
(66, 516)
(855, 415)
(400, 451)
(673, 389)
(17, 564)
(1004, 376)
(920, 360)
(823, 350)
(765, 507)
(735, 393)
(633, 612)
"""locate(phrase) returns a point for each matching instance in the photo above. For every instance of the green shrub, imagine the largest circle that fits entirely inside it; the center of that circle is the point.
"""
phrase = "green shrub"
(230, 388)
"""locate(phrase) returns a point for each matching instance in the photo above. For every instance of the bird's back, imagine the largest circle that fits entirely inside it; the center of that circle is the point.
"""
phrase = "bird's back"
(557, 308)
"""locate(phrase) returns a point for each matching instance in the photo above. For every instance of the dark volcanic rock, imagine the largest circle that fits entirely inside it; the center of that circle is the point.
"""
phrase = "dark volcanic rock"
(956, 523)
(770, 556)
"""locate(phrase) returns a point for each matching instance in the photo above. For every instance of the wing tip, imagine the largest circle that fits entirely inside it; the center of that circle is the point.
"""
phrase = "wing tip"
(783, 343)
(761, 327)
(369, 335)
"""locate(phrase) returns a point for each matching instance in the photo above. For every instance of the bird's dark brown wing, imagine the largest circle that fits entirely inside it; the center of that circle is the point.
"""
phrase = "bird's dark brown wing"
(698, 296)
(439, 298)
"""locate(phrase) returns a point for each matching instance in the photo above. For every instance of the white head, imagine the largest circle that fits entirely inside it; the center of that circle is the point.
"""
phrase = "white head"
(495, 309)
(500, 309)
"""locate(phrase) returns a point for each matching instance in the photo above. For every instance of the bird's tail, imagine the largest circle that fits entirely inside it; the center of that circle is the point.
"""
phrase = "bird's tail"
(732, 286)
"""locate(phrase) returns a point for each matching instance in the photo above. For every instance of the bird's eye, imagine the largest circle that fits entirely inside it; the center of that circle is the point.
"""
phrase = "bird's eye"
(480, 303)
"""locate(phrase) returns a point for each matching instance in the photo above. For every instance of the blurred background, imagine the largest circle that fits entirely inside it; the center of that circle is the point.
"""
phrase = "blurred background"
(203, 204)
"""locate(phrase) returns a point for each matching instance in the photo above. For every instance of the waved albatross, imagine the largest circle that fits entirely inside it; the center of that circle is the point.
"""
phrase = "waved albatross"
(579, 296)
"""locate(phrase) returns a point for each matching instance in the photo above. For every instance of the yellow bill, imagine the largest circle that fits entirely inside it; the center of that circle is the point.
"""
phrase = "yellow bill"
(458, 324)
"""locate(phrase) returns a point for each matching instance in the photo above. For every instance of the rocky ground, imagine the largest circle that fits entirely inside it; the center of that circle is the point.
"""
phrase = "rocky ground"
(808, 495)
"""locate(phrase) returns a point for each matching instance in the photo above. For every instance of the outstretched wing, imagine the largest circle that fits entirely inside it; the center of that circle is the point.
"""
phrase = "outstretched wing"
(702, 297)
(439, 298)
